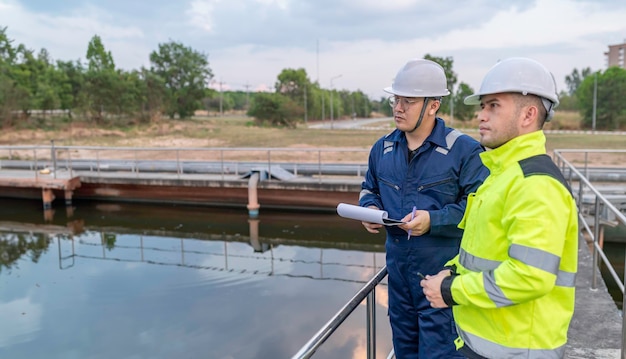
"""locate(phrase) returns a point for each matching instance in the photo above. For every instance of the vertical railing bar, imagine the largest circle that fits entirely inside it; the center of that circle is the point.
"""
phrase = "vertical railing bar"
(36, 164)
(371, 324)
(269, 164)
(222, 162)
(179, 169)
(319, 165)
(596, 233)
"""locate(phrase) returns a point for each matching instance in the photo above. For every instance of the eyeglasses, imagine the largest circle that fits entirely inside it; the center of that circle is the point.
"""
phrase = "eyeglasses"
(404, 102)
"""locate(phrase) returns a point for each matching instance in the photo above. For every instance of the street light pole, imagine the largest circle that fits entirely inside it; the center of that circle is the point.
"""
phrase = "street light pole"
(595, 102)
(331, 99)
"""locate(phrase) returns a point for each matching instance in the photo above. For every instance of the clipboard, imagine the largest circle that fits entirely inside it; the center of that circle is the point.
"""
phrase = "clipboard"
(366, 214)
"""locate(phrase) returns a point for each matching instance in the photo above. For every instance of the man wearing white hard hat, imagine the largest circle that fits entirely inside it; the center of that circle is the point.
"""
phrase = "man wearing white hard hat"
(512, 285)
(421, 172)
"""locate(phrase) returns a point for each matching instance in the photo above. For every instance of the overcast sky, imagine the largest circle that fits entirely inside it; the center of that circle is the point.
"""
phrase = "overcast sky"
(360, 44)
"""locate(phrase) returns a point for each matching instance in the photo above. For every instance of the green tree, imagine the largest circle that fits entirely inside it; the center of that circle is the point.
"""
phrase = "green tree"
(383, 106)
(610, 104)
(71, 85)
(9, 96)
(275, 109)
(462, 111)
(356, 104)
(154, 94)
(185, 73)
(101, 81)
(447, 63)
(567, 102)
(295, 84)
(573, 80)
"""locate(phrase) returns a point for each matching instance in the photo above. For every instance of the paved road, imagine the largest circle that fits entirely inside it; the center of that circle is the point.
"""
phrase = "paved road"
(342, 124)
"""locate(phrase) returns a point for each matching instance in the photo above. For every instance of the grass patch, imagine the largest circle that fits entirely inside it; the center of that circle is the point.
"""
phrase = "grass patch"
(239, 131)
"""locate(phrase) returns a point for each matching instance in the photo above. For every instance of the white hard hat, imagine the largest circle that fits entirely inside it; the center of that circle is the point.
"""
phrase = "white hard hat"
(521, 75)
(420, 78)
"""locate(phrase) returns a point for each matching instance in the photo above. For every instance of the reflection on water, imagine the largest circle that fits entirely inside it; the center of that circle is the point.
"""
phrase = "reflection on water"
(139, 281)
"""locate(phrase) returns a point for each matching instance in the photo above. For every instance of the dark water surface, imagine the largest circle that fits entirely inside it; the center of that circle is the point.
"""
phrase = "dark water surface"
(163, 281)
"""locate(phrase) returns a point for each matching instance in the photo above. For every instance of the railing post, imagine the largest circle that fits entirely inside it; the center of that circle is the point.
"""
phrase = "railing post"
(53, 156)
(136, 166)
(596, 234)
(371, 324)
(179, 169)
(222, 162)
(36, 165)
(623, 353)
(319, 165)
(269, 165)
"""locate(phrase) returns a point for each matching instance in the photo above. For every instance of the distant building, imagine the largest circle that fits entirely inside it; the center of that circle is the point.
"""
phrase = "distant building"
(615, 56)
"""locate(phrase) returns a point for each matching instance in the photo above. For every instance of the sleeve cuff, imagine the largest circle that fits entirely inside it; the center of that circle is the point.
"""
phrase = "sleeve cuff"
(446, 291)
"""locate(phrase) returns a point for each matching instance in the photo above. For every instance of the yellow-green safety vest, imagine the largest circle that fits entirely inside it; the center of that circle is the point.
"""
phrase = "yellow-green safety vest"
(515, 290)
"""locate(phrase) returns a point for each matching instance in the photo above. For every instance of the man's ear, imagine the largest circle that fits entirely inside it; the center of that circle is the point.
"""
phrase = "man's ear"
(530, 116)
(434, 107)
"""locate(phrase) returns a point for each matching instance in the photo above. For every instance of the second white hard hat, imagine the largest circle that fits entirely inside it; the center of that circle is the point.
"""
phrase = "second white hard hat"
(520, 75)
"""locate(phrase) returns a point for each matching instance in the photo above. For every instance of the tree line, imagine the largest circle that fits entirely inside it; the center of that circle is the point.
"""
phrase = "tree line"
(176, 84)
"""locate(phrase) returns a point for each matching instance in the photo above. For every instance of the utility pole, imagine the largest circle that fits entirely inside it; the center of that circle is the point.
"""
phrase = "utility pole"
(305, 106)
(331, 99)
(221, 99)
(353, 111)
(247, 96)
(318, 61)
(595, 100)
(323, 107)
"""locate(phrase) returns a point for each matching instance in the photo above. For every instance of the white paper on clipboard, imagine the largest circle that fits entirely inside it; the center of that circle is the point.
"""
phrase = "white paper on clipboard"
(366, 214)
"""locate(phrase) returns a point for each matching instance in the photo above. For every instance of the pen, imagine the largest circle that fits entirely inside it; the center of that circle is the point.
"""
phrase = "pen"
(412, 216)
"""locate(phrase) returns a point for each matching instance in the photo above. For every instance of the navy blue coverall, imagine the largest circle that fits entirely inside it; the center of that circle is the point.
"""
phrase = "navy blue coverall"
(445, 169)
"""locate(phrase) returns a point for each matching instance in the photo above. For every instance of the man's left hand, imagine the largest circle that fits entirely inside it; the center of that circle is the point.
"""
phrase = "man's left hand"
(432, 288)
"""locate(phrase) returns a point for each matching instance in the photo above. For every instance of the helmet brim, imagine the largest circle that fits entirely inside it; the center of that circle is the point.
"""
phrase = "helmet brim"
(390, 90)
(472, 99)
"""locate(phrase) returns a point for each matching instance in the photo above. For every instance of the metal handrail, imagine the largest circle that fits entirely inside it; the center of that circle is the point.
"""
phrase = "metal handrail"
(583, 183)
(368, 291)
(188, 160)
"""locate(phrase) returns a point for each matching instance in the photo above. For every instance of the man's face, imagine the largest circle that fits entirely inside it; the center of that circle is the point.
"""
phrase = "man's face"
(406, 111)
(499, 118)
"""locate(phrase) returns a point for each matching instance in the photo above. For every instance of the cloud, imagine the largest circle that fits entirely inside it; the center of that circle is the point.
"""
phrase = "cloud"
(250, 41)
(201, 14)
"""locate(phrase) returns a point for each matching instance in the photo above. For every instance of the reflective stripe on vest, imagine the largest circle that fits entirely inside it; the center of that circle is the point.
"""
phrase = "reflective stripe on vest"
(477, 264)
(492, 350)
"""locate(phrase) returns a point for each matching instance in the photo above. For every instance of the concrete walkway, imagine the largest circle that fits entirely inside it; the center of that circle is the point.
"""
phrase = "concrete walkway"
(596, 329)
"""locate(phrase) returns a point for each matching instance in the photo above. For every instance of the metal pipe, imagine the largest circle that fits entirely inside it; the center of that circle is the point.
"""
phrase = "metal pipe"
(253, 201)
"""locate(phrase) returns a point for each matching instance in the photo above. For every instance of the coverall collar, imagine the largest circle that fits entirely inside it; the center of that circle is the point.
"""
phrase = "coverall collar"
(437, 136)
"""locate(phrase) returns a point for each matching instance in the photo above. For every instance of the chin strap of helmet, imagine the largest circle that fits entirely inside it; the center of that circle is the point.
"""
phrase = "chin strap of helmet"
(419, 120)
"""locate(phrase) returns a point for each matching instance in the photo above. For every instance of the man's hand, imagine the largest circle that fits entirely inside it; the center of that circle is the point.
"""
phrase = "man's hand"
(432, 288)
(419, 225)
(372, 227)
